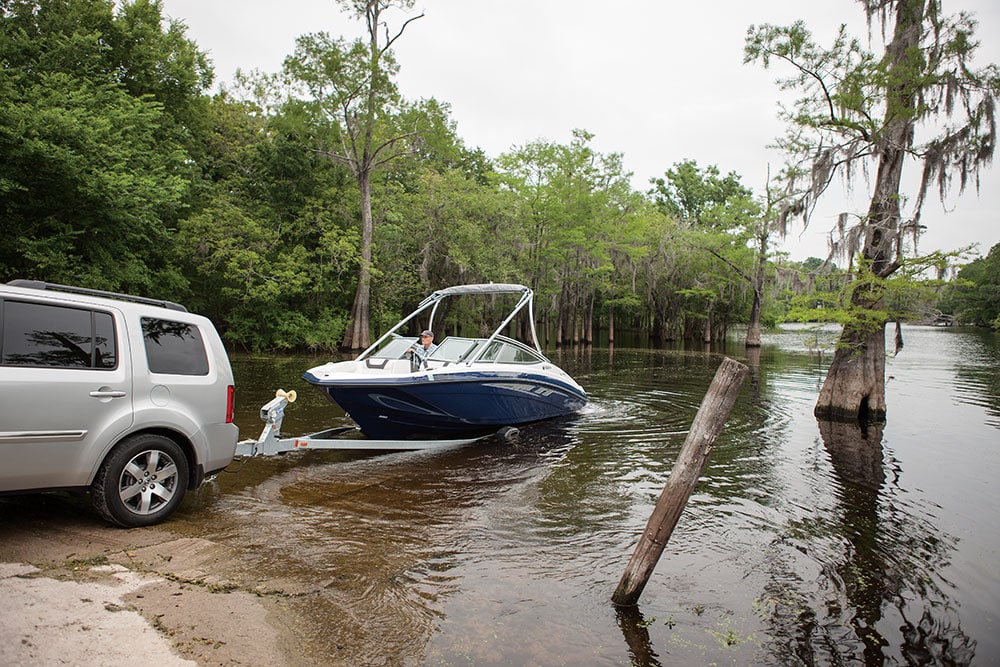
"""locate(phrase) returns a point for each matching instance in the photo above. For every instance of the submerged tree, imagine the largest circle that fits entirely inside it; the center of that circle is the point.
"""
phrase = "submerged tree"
(859, 110)
(352, 83)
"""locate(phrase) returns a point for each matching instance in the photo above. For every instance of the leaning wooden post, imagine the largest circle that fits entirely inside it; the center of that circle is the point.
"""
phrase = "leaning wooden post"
(705, 429)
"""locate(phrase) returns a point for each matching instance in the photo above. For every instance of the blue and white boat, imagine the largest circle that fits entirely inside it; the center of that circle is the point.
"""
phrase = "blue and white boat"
(467, 386)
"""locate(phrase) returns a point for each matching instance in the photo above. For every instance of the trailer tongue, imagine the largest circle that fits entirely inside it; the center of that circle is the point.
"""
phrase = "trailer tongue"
(271, 441)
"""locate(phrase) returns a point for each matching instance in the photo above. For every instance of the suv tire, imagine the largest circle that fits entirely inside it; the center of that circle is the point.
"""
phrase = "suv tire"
(141, 482)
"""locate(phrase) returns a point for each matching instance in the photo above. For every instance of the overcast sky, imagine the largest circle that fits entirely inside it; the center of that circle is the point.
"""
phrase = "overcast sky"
(657, 81)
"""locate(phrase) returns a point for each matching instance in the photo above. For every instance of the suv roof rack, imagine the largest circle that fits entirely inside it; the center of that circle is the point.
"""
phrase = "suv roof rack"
(42, 285)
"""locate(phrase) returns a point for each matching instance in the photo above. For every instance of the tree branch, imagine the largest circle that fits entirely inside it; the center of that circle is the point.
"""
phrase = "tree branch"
(378, 162)
(728, 263)
(389, 41)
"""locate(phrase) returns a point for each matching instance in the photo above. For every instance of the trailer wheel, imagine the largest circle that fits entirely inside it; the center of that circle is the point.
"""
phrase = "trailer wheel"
(141, 482)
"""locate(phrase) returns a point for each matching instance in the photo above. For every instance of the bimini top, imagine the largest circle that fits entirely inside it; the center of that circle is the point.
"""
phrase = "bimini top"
(432, 302)
(482, 288)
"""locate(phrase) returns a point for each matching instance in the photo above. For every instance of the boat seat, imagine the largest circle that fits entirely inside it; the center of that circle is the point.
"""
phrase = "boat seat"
(388, 366)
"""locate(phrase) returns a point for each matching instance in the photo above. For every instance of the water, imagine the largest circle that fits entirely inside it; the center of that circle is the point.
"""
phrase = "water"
(800, 545)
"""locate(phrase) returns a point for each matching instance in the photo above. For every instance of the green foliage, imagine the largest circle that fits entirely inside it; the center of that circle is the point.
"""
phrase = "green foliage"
(699, 198)
(270, 239)
(811, 264)
(974, 297)
(814, 307)
(854, 109)
(868, 301)
(573, 205)
(91, 102)
(349, 88)
(118, 171)
(720, 221)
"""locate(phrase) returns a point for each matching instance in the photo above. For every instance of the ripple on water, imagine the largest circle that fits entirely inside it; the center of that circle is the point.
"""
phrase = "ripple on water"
(507, 554)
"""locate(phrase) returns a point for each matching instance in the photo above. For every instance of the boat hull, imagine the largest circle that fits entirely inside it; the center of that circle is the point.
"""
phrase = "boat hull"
(447, 406)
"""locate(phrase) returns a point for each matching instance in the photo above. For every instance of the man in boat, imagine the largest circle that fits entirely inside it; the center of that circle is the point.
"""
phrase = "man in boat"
(419, 352)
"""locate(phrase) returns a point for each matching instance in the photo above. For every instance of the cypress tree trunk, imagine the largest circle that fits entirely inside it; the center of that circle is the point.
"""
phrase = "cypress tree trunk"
(854, 388)
(611, 325)
(357, 336)
(588, 335)
(753, 329)
(855, 384)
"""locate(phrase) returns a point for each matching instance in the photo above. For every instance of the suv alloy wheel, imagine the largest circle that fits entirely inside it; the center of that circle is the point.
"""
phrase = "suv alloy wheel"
(141, 482)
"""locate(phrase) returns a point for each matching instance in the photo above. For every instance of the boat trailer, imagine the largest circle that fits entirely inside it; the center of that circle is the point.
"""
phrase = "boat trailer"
(271, 442)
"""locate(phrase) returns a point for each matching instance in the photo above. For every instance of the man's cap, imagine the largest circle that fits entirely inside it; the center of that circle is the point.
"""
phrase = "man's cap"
(427, 332)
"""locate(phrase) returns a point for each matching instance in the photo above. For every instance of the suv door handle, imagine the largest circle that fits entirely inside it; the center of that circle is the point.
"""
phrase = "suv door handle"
(107, 393)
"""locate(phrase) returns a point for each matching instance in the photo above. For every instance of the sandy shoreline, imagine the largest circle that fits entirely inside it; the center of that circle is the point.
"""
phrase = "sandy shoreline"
(78, 592)
(49, 621)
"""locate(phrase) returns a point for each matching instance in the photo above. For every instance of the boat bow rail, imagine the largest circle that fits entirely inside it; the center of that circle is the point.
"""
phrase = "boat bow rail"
(271, 442)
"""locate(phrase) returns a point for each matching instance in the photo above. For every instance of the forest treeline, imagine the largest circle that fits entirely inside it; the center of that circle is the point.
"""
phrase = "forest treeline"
(120, 170)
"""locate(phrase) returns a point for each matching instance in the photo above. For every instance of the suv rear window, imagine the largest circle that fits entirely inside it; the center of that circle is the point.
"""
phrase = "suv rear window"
(38, 334)
(175, 348)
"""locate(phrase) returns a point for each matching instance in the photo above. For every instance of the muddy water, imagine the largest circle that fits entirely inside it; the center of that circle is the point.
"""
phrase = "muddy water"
(802, 544)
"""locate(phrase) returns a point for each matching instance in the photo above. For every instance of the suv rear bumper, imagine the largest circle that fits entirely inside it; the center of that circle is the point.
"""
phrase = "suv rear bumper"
(220, 447)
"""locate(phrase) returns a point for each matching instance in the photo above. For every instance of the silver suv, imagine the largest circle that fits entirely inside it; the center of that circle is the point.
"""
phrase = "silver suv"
(127, 397)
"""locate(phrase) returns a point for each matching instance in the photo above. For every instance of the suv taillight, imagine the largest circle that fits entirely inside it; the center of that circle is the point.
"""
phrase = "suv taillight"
(230, 403)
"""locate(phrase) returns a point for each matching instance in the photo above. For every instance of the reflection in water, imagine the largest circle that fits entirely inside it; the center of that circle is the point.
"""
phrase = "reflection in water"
(856, 455)
(856, 452)
(877, 565)
(802, 543)
(978, 381)
(635, 629)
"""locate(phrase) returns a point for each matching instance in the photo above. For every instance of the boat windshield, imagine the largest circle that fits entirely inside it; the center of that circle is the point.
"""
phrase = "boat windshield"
(395, 347)
(455, 349)
(507, 351)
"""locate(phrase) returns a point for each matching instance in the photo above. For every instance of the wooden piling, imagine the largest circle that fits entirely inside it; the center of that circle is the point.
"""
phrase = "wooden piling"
(705, 429)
